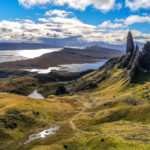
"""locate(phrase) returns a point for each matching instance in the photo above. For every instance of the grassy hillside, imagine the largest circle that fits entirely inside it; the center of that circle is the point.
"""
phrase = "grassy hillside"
(103, 111)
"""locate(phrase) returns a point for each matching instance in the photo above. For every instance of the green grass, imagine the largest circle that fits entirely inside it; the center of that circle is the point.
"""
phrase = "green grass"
(112, 116)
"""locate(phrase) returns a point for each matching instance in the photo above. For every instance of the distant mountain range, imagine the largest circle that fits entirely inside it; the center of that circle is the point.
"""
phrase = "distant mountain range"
(22, 46)
(65, 56)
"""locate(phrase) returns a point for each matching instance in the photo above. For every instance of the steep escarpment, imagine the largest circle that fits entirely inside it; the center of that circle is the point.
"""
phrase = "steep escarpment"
(131, 60)
(134, 60)
(145, 59)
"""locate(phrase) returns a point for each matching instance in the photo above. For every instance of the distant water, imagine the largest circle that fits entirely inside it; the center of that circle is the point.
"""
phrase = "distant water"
(82, 67)
(36, 95)
(43, 134)
(13, 55)
(71, 67)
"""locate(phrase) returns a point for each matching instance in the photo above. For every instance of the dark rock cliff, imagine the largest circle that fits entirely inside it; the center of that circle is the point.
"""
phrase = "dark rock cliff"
(130, 44)
(145, 59)
(134, 60)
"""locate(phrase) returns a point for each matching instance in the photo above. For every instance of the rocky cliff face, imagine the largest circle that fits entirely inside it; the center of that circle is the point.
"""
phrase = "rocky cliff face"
(130, 44)
(131, 60)
(145, 59)
(134, 60)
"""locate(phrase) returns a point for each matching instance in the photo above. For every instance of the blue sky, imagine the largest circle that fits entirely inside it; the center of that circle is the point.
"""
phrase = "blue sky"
(74, 21)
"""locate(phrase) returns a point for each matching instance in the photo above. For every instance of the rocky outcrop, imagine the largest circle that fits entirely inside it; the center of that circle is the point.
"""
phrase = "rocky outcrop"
(134, 64)
(134, 60)
(130, 44)
(145, 59)
(131, 59)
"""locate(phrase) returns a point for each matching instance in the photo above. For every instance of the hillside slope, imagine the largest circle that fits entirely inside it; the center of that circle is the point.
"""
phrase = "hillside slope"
(107, 109)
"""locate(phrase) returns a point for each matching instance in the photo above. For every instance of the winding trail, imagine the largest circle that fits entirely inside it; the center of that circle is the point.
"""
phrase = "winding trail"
(85, 106)
(75, 116)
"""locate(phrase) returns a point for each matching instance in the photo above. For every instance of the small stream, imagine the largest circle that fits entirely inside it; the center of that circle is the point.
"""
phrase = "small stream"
(36, 95)
(43, 134)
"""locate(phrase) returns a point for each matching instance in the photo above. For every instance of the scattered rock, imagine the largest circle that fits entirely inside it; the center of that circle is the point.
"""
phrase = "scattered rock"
(62, 101)
(14, 112)
(102, 140)
(91, 101)
(7, 124)
(132, 102)
(65, 146)
(92, 85)
(92, 115)
(61, 90)
(36, 114)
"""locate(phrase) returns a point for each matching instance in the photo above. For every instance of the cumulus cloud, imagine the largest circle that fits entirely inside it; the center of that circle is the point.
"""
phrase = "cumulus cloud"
(109, 24)
(136, 19)
(103, 5)
(60, 13)
(121, 26)
(29, 3)
(62, 27)
(137, 4)
(124, 23)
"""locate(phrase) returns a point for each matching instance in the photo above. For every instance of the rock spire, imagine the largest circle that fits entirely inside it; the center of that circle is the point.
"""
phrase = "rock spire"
(130, 44)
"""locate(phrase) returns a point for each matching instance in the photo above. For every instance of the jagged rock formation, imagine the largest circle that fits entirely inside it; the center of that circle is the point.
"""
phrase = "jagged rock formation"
(130, 44)
(133, 60)
(145, 59)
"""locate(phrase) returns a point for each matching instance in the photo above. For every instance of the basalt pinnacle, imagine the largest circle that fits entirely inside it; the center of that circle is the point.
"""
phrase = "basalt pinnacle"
(130, 60)
(130, 44)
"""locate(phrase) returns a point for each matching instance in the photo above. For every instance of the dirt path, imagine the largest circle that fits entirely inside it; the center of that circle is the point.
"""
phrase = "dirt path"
(86, 105)
(75, 116)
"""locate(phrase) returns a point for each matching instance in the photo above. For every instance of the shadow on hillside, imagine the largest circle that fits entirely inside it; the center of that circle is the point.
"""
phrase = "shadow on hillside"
(141, 78)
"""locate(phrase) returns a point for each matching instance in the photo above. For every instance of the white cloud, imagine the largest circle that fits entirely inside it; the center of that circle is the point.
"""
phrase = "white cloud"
(109, 24)
(63, 27)
(60, 13)
(103, 5)
(124, 23)
(136, 19)
(137, 4)
(121, 26)
(76, 4)
(29, 3)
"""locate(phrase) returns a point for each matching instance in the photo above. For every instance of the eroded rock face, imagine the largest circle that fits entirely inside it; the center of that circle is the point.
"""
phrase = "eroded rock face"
(145, 59)
(130, 44)
(134, 60)
(131, 60)
(134, 63)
